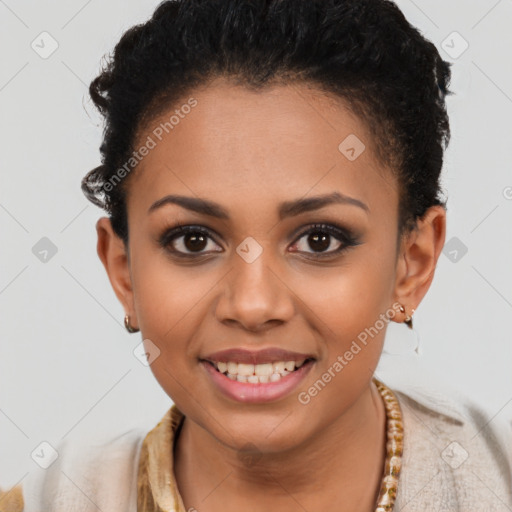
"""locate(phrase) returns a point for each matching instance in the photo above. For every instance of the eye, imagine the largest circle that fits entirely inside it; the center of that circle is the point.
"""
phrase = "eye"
(187, 241)
(322, 237)
(191, 241)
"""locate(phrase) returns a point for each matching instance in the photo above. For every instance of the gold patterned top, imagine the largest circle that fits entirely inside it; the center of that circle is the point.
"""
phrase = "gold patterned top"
(12, 500)
(157, 490)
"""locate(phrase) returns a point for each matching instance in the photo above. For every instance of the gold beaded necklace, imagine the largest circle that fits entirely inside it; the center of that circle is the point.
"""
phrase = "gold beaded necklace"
(394, 449)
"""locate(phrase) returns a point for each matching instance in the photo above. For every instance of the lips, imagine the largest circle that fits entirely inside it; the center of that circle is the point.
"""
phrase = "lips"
(268, 355)
(257, 376)
(257, 389)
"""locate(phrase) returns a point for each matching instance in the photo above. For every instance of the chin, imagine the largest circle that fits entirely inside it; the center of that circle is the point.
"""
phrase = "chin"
(263, 435)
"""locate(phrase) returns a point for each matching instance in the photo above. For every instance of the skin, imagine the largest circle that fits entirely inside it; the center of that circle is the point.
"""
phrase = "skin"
(249, 151)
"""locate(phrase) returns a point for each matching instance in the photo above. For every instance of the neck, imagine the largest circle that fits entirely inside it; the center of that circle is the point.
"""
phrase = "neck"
(339, 469)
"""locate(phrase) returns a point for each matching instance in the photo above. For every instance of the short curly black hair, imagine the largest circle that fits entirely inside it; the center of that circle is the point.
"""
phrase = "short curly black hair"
(362, 51)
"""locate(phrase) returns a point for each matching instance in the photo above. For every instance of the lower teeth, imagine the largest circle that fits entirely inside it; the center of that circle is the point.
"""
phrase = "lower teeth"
(258, 379)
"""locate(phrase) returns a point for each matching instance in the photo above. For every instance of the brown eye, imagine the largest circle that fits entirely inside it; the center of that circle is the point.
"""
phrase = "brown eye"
(318, 242)
(188, 241)
(324, 239)
(194, 242)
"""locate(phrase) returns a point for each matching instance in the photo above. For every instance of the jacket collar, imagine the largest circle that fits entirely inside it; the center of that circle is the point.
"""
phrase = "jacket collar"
(157, 490)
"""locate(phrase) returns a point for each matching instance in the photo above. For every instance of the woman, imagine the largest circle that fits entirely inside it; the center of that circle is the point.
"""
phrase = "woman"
(271, 173)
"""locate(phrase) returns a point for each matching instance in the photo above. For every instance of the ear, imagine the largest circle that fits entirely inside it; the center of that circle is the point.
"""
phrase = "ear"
(113, 255)
(417, 259)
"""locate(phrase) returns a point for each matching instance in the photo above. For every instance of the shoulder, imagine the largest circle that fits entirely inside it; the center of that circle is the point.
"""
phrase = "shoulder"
(87, 476)
(455, 453)
(456, 417)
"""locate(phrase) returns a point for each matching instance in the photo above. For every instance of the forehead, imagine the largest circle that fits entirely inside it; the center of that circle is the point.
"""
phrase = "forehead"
(255, 147)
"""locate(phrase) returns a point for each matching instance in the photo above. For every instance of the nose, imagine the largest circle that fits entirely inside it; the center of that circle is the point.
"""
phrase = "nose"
(255, 296)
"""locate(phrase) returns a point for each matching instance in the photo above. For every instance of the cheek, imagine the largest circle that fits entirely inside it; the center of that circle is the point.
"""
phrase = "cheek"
(165, 292)
(349, 311)
(169, 301)
(350, 298)
(169, 310)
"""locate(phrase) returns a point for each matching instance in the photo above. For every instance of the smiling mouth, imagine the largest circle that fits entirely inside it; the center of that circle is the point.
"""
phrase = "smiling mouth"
(258, 373)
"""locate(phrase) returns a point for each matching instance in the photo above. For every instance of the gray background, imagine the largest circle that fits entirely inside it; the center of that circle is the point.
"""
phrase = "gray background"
(67, 368)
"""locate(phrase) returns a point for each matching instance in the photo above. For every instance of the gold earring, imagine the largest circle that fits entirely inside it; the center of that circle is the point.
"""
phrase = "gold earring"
(408, 318)
(129, 328)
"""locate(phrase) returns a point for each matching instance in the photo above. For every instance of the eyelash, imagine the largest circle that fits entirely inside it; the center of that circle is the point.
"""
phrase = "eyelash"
(343, 235)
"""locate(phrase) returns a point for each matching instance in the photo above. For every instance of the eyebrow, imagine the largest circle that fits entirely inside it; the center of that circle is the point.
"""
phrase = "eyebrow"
(286, 209)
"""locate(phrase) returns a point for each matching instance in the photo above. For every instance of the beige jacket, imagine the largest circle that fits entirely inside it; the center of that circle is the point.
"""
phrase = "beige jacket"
(455, 459)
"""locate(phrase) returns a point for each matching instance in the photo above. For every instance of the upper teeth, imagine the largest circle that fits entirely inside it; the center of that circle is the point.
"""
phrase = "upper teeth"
(260, 370)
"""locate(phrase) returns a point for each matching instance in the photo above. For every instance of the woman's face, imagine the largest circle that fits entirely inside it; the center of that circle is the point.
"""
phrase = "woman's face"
(249, 283)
